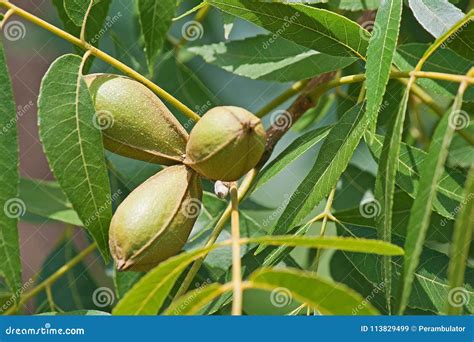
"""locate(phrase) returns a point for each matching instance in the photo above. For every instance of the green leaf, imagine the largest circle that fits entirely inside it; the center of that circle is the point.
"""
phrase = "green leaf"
(46, 200)
(356, 5)
(431, 173)
(124, 281)
(443, 60)
(155, 21)
(382, 47)
(430, 286)
(440, 229)
(338, 148)
(75, 290)
(385, 186)
(296, 149)
(76, 10)
(327, 297)
(331, 242)
(73, 145)
(314, 28)
(193, 301)
(72, 13)
(11, 207)
(461, 152)
(148, 295)
(436, 16)
(463, 41)
(459, 250)
(76, 313)
(267, 58)
(449, 188)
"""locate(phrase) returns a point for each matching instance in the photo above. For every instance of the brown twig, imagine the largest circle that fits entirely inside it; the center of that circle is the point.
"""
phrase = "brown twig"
(283, 122)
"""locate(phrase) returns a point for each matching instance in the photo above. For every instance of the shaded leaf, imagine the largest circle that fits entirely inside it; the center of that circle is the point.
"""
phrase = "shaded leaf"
(11, 207)
(430, 286)
(73, 145)
(459, 250)
(46, 200)
(440, 229)
(296, 149)
(72, 19)
(430, 175)
(382, 48)
(463, 42)
(155, 21)
(449, 188)
(338, 148)
(443, 60)
(73, 291)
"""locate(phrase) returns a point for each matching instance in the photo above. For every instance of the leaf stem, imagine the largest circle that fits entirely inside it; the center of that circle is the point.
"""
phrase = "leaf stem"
(326, 215)
(242, 191)
(52, 278)
(103, 56)
(236, 262)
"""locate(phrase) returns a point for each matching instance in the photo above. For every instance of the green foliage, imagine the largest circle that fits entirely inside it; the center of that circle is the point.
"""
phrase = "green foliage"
(436, 16)
(338, 146)
(331, 222)
(266, 58)
(380, 54)
(155, 21)
(73, 145)
(325, 296)
(314, 28)
(12, 206)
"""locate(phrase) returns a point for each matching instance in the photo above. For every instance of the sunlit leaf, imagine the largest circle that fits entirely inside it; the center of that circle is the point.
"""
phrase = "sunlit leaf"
(382, 46)
(436, 16)
(314, 28)
(327, 297)
(267, 58)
